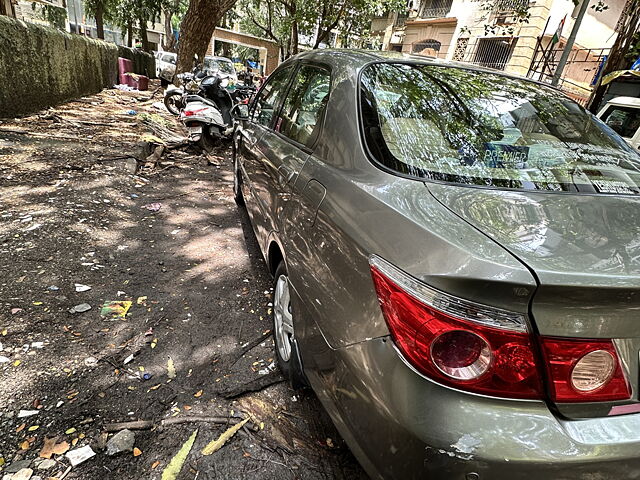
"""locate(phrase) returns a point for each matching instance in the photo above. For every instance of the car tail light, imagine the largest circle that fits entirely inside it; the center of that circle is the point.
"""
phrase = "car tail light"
(456, 342)
(487, 350)
(584, 370)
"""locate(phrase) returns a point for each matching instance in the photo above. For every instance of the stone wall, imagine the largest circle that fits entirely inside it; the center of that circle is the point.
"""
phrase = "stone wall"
(41, 66)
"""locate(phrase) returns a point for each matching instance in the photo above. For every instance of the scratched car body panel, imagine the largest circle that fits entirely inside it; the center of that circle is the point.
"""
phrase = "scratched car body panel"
(460, 255)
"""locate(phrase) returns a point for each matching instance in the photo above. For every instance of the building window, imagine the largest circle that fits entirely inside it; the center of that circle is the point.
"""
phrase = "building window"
(426, 47)
(494, 52)
(434, 8)
(461, 49)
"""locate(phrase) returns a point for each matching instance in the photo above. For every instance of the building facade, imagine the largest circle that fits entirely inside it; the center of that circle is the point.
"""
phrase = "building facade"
(489, 33)
(74, 19)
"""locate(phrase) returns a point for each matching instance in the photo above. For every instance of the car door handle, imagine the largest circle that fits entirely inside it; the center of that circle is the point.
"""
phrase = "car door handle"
(286, 174)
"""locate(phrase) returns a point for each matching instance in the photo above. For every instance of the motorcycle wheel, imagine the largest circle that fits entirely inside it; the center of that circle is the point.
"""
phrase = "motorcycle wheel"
(173, 103)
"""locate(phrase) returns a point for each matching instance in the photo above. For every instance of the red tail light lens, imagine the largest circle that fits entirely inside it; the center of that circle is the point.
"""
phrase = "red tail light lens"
(456, 352)
(486, 350)
(189, 113)
(584, 370)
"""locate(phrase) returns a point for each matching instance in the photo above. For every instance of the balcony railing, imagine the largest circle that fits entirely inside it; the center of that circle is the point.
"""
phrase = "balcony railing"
(435, 12)
(509, 5)
(434, 8)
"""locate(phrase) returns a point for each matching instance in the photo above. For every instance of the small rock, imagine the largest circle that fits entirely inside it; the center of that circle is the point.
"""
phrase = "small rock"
(80, 455)
(91, 361)
(17, 466)
(83, 307)
(27, 413)
(47, 464)
(101, 443)
(4, 359)
(121, 442)
(23, 474)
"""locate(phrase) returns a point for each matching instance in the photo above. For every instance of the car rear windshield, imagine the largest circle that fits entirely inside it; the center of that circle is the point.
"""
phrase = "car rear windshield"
(222, 65)
(477, 128)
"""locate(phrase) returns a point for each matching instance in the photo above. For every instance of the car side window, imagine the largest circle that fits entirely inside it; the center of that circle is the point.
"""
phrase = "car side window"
(305, 104)
(268, 99)
(623, 120)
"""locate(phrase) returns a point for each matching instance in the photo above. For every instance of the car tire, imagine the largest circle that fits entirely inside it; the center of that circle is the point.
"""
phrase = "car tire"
(286, 345)
(237, 178)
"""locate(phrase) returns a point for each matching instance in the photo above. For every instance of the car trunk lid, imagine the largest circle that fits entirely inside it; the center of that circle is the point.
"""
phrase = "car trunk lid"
(584, 251)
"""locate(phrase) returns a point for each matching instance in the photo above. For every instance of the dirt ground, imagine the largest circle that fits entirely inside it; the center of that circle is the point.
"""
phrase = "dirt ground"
(171, 241)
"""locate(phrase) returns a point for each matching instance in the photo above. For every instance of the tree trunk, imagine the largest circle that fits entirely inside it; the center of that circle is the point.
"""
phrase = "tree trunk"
(292, 11)
(130, 34)
(617, 56)
(294, 38)
(197, 29)
(100, 20)
(169, 38)
(143, 34)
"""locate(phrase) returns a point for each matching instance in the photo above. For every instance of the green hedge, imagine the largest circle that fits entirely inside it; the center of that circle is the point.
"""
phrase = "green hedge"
(41, 66)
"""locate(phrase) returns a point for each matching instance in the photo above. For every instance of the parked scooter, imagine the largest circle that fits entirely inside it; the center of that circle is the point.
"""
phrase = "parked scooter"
(174, 96)
(207, 115)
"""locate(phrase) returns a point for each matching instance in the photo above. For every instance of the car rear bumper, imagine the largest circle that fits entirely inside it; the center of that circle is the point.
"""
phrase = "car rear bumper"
(400, 425)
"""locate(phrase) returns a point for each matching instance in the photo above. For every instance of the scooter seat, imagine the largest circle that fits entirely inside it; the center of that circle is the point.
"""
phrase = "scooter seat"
(198, 98)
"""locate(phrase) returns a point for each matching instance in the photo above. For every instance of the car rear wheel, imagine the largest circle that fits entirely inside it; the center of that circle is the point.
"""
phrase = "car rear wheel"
(283, 330)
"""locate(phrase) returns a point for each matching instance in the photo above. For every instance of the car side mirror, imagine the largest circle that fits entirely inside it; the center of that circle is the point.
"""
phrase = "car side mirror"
(240, 111)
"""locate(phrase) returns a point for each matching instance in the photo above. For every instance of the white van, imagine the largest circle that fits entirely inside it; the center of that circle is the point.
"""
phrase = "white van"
(622, 114)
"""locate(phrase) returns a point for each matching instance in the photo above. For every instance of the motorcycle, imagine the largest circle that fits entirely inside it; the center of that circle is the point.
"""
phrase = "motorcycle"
(174, 96)
(207, 115)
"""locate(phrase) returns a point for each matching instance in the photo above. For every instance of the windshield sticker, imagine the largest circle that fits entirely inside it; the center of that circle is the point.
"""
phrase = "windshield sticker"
(612, 186)
(497, 155)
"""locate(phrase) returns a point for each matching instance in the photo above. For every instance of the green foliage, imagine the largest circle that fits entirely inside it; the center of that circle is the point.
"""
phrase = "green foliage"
(278, 19)
(634, 52)
(55, 15)
(108, 7)
(135, 14)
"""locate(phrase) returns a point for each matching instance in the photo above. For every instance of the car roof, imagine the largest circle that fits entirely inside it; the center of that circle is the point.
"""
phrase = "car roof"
(224, 59)
(625, 101)
(359, 58)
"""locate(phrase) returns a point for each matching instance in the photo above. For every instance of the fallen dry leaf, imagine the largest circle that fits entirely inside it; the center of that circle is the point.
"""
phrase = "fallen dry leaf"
(217, 444)
(171, 369)
(21, 427)
(155, 464)
(137, 452)
(198, 394)
(52, 448)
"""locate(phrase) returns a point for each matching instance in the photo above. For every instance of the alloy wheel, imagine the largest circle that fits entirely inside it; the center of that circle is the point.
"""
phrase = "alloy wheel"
(283, 319)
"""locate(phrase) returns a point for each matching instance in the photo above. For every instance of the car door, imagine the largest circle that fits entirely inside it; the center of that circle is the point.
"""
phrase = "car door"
(266, 104)
(286, 147)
